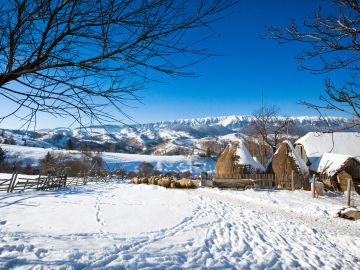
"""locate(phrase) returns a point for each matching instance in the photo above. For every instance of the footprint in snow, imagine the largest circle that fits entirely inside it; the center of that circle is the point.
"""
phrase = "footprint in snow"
(2, 222)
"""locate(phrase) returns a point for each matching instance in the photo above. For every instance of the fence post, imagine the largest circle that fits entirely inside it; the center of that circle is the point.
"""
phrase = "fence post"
(348, 192)
(313, 187)
(10, 183)
(65, 179)
(13, 182)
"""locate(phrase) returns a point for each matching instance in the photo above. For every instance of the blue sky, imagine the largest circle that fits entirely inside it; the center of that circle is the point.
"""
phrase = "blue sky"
(233, 83)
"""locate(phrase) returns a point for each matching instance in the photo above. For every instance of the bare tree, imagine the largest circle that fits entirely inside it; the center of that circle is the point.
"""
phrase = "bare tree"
(269, 127)
(78, 58)
(333, 42)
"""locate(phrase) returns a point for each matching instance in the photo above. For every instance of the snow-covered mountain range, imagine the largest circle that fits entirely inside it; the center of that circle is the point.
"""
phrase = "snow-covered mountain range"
(179, 137)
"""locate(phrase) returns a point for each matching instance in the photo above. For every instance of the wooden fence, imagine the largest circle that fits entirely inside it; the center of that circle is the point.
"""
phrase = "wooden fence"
(16, 183)
(261, 180)
(292, 181)
(244, 180)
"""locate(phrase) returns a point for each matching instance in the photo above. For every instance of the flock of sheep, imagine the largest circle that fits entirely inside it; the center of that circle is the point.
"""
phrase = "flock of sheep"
(167, 182)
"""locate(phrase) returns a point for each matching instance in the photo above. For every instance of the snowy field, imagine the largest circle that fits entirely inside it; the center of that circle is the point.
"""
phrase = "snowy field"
(125, 226)
(129, 162)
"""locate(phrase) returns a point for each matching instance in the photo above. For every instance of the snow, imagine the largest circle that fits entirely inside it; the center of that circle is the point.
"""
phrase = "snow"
(259, 164)
(149, 138)
(316, 144)
(298, 160)
(330, 163)
(129, 162)
(124, 226)
(245, 158)
(338, 145)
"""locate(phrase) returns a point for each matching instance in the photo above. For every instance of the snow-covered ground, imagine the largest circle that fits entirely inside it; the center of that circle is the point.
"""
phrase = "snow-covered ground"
(129, 162)
(125, 226)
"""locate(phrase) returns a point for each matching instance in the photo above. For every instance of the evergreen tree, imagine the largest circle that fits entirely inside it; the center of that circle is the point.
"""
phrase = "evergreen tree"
(47, 163)
(69, 145)
(2, 155)
(208, 152)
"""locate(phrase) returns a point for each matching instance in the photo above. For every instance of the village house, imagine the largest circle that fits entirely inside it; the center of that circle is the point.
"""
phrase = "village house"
(333, 156)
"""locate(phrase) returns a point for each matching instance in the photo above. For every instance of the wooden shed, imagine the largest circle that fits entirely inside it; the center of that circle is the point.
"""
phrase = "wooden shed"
(336, 169)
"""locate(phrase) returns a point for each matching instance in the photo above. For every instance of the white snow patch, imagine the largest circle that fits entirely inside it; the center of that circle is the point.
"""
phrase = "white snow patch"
(245, 157)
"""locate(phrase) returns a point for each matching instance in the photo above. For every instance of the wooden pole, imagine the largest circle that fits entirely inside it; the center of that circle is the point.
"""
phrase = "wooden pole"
(313, 187)
(10, 183)
(348, 195)
(292, 181)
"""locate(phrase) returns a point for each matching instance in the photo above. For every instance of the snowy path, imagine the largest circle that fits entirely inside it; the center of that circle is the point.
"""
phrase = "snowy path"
(125, 226)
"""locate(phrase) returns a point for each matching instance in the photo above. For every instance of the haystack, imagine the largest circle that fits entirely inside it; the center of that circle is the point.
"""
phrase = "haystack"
(236, 160)
(286, 163)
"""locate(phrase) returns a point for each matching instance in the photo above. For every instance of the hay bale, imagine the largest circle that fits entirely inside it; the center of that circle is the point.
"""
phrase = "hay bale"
(342, 180)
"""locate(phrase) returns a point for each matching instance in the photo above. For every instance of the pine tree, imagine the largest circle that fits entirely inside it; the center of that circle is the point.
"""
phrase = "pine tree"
(69, 145)
(2, 155)
(47, 163)
(208, 152)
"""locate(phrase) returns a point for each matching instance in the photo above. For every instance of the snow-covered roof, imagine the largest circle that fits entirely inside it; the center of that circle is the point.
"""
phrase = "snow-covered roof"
(298, 160)
(330, 163)
(245, 158)
(317, 144)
